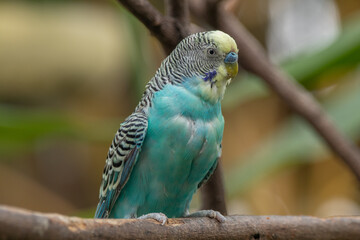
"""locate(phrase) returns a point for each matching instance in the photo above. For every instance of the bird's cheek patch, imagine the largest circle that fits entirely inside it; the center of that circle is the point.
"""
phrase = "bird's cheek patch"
(209, 76)
(222, 72)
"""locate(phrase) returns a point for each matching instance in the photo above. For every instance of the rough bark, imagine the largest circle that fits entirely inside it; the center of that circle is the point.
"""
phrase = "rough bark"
(26, 225)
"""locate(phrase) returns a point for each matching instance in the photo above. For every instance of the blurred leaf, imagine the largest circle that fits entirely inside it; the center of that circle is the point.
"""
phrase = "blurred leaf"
(296, 142)
(21, 127)
(26, 124)
(245, 87)
(343, 53)
(86, 213)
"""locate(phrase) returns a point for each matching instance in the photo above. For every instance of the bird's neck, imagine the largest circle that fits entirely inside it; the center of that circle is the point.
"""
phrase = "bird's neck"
(211, 92)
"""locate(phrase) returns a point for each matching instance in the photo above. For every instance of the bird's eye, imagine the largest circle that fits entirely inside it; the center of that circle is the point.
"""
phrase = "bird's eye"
(211, 51)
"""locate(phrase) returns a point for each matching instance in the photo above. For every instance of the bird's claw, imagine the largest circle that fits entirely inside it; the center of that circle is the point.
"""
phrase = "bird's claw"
(216, 215)
(160, 217)
(208, 213)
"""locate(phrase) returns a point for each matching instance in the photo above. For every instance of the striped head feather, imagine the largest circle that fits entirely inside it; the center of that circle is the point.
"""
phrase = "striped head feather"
(205, 61)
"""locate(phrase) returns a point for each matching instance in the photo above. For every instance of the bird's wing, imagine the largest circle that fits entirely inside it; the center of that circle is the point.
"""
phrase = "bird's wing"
(122, 156)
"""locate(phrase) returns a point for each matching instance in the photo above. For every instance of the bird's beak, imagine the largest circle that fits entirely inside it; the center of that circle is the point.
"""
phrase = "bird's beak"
(231, 64)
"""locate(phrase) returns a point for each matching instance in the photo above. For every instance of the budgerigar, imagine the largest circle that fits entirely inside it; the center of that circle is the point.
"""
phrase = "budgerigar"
(170, 145)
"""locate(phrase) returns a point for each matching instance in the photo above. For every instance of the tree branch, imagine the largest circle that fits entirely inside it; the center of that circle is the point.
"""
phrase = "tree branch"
(163, 28)
(213, 192)
(22, 224)
(252, 57)
(179, 10)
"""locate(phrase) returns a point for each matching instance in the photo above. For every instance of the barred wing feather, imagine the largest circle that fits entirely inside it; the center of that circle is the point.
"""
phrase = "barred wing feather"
(122, 156)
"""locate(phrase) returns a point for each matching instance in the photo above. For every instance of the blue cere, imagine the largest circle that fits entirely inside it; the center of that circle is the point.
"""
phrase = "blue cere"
(232, 57)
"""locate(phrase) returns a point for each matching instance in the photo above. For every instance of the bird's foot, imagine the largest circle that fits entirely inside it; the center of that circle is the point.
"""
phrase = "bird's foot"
(160, 217)
(208, 213)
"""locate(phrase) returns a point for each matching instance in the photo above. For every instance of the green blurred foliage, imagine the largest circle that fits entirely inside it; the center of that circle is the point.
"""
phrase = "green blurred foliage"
(295, 142)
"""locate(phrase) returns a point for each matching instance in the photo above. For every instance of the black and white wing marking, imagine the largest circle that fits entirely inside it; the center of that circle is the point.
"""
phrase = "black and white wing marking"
(121, 158)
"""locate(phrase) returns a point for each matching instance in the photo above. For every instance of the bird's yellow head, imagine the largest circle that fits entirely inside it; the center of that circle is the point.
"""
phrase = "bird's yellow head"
(226, 47)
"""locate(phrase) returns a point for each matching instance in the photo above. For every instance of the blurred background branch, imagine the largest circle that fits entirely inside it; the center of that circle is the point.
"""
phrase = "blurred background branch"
(253, 59)
(166, 29)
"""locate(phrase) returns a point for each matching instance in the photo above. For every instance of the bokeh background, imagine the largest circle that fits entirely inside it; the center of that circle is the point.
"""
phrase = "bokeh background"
(72, 71)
